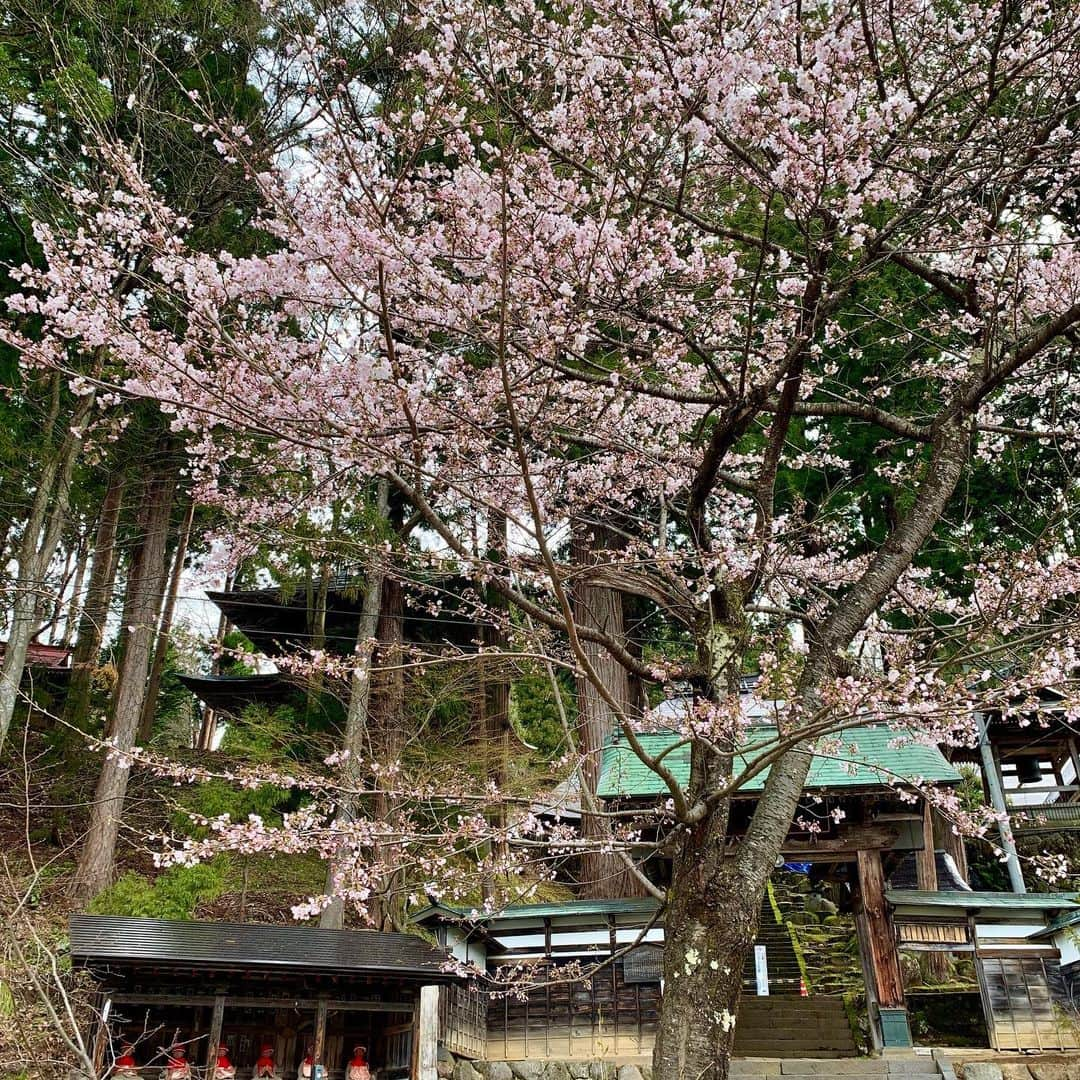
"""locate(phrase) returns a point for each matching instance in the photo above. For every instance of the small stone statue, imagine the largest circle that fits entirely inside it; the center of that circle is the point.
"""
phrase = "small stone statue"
(177, 1066)
(224, 1069)
(308, 1069)
(358, 1067)
(125, 1067)
(265, 1069)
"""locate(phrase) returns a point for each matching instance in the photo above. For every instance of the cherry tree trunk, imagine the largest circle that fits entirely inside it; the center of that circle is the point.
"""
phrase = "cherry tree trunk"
(388, 718)
(318, 599)
(494, 700)
(145, 583)
(95, 611)
(712, 919)
(357, 734)
(204, 739)
(603, 874)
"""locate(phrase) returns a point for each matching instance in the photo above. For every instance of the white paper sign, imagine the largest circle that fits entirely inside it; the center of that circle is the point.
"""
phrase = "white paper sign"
(761, 971)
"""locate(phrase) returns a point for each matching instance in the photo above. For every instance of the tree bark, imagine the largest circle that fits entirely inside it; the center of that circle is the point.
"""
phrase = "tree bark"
(96, 608)
(161, 652)
(357, 723)
(39, 541)
(714, 904)
(495, 699)
(709, 925)
(603, 874)
(319, 598)
(388, 717)
(82, 561)
(145, 582)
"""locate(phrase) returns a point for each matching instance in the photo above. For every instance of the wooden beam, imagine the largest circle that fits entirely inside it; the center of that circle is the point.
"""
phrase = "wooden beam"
(427, 1034)
(945, 836)
(925, 860)
(880, 943)
(216, 1019)
(101, 1034)
(320, 1039)
(849, 842)
(927, 878)
(263, 1002)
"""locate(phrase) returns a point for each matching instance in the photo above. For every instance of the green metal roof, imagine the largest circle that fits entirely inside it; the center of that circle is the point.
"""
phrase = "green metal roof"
(540, 911)
(1002, 901)
(1063, 921)
(869, 757)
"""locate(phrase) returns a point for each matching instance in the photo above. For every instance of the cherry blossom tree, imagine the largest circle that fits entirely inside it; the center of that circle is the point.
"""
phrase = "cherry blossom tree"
(711, 278)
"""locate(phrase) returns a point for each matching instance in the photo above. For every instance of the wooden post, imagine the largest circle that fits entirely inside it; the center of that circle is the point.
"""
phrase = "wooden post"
(946, 837)
(995, 787)
(880, 943)
(426, 1035)
(927, 878)
(101, 1035)
(216, 1019)
(320, 1039)
(925, 860)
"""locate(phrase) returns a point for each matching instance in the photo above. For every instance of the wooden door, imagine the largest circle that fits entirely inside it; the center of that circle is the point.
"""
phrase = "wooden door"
(1025, 1003)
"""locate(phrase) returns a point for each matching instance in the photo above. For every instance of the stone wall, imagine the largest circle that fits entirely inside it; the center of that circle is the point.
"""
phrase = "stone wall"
(451, 1067)
(1040, 1067)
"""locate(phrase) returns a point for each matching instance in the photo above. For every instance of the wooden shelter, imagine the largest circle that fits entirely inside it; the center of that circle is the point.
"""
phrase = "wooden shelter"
(297, 989)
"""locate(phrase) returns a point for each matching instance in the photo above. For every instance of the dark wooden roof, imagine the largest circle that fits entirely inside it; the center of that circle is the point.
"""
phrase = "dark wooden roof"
(98, 940)
(234, 693)
(276, 621)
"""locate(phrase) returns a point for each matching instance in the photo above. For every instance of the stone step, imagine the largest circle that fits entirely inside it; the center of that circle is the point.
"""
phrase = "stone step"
(804, 1068)
(818, 1039)
(794, 1028)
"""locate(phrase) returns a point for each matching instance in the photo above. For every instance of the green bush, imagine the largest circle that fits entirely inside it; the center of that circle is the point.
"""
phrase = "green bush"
(174, 894)
(535, 714)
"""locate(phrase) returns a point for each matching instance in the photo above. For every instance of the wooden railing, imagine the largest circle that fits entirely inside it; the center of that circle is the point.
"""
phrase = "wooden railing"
(1048, 817)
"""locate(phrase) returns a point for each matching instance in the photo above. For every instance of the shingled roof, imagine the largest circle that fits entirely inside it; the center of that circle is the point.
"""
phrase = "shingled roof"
(869, 757)
(107, 940)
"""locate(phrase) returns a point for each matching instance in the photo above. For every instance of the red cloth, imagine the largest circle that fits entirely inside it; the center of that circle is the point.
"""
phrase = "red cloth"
(126, 1061)
(177, 1065)
(264, 1064)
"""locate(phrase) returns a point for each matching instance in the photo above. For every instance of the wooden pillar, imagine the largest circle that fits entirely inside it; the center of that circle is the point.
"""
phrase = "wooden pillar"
(925, 860)
(880, 945)
(945, 836)
(101, 1036)
(996, 789)
(216, 1019)
(927, 877)
(426, 1035)
(320, 1039)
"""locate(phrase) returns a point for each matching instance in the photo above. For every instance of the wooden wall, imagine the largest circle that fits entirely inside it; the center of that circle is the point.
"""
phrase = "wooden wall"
(570, 1019)
(463, 1017)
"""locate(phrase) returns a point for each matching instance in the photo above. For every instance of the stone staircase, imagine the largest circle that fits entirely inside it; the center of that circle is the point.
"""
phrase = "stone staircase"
(827, 939)
(784, 973)
(793, 1027)
(905, 1068)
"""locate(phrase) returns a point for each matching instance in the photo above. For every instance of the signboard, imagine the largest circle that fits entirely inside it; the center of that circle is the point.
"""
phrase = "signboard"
(644, 964)
(761, 970)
